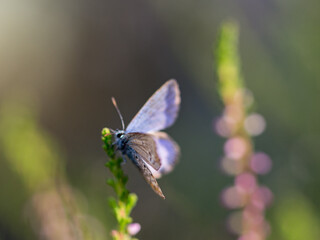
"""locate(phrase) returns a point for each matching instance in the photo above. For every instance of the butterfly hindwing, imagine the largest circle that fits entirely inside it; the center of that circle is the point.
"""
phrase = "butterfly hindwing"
(168, 151)
(160, 111)
(144, 145)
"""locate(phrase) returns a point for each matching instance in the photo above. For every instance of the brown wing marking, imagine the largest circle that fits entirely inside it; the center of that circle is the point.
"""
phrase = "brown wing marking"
(145, 146)
(146, 173)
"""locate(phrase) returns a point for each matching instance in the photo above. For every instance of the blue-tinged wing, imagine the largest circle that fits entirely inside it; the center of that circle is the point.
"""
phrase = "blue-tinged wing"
(160, 111)
(168, 152)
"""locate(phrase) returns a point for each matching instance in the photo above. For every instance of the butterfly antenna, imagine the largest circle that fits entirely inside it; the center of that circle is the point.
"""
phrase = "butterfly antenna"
(116, 106)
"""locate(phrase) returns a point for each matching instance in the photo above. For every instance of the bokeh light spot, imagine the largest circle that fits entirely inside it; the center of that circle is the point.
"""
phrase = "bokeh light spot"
(231, 166)
(234, 222)
(266, 195)
(235, 148)
(246, 181)
(255, 124)
(260, 163)
(233, 197)
(221, 127)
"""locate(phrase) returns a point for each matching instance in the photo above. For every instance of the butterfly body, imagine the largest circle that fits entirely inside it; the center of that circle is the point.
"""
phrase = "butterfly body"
(154, 153)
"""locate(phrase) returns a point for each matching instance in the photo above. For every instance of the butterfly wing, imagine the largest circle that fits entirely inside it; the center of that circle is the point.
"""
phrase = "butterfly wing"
(168, 151)
(160, 111)
(146, 173)
(145, 146)
(142, 150)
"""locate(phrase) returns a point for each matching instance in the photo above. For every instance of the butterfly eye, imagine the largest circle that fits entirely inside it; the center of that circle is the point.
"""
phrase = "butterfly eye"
(119, 135)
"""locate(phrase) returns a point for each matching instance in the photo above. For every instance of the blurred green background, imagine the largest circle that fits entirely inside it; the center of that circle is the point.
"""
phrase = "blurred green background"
(62, 61)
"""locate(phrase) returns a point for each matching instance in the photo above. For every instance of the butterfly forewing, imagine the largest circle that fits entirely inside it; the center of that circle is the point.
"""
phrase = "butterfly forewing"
(145, 146)
(160, 111)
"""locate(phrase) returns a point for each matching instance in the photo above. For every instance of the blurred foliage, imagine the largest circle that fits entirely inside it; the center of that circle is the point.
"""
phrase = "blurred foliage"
(29, 151)
(296, 218)
(227, 62)
(53, 209)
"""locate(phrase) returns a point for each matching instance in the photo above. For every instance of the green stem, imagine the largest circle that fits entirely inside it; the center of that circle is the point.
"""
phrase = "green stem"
(125, 201)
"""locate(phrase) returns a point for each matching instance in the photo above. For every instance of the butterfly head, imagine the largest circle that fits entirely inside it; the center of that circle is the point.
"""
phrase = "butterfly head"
(119, 134)
(120, 140)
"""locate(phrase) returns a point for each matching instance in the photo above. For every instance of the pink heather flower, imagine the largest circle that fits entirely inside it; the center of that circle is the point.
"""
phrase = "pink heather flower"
(134, 228)
(260, 163)
(233, 197)
(235, 148)
(246, 182)
(266, 195)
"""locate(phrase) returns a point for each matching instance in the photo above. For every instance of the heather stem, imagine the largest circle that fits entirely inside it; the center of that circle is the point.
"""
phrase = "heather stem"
(125, 201)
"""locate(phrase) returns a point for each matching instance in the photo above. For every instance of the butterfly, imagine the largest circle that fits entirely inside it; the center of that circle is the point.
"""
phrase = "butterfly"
(153, 152)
